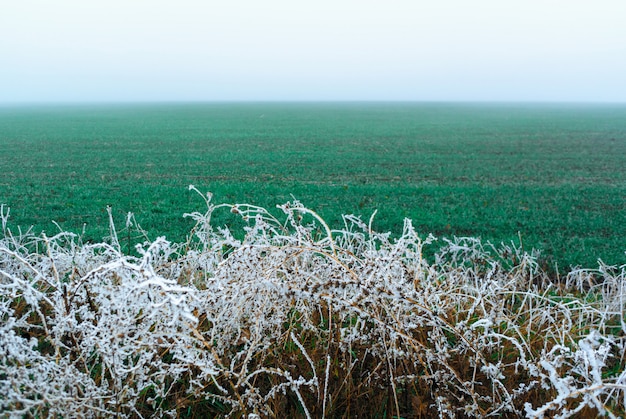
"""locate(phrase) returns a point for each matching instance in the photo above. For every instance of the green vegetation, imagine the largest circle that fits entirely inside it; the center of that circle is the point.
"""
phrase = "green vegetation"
(553, 173)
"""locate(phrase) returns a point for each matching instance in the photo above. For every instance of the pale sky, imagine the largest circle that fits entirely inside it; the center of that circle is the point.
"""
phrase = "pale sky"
(205, 50)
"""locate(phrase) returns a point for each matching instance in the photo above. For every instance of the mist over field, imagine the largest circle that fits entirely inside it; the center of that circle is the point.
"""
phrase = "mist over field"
(278, 50)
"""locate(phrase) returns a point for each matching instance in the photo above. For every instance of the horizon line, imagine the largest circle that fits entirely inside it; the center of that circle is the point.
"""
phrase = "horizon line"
(308, 101)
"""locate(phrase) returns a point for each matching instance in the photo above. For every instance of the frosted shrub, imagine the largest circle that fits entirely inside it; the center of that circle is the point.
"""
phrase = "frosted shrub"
(290, 318)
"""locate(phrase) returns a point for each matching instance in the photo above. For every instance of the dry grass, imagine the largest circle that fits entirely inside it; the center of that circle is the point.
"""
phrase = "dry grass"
(297, 320)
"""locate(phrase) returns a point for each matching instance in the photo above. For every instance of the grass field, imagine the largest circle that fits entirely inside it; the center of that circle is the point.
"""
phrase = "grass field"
(278, 317)
(553, 173)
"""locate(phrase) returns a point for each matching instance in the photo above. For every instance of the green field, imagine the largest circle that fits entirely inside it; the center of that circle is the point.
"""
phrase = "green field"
(554, 173)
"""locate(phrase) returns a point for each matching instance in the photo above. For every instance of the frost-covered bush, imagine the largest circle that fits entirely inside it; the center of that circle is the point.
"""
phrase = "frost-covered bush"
(291, 318)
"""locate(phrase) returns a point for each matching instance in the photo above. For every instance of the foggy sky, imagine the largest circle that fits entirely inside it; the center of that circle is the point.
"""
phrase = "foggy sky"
(194, 50)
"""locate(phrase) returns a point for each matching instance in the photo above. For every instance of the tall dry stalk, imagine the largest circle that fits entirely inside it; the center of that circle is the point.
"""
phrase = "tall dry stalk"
(295, 319)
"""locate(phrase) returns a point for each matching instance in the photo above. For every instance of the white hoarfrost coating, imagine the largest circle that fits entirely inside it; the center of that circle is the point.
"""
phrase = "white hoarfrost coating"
(89, 331)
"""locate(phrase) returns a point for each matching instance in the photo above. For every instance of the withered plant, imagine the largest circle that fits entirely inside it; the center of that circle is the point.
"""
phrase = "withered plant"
(292, 319)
